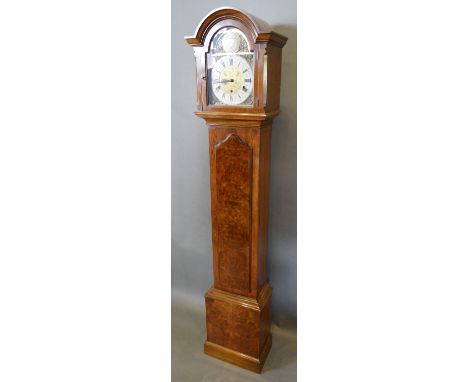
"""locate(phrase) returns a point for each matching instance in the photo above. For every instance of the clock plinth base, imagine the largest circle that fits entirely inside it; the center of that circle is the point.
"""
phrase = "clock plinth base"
(239, 359)
(238, 327)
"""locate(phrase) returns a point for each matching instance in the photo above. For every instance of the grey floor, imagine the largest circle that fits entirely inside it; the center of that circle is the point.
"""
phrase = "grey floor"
(189, 363)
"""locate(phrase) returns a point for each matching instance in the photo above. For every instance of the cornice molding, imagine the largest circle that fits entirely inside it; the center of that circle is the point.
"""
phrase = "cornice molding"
(248, 302)
(261, 29)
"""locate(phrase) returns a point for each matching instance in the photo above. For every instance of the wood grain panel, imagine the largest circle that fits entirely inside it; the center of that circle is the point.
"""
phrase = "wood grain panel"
(233, 171)
(239, 323)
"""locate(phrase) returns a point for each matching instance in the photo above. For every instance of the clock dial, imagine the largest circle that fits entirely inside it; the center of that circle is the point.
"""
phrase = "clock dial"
(231, 79)
(229, 68)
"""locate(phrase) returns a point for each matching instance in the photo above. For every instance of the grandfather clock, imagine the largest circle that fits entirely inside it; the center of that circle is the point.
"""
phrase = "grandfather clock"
(238, 76)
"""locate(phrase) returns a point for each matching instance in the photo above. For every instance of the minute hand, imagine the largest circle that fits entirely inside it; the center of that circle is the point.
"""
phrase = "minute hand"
(223, 81)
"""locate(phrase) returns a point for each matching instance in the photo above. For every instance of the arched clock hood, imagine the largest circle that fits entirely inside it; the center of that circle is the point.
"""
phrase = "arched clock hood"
(265, 47)
(262, 31)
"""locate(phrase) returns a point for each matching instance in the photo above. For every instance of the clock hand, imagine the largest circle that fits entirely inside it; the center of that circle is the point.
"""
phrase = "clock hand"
(223, 81)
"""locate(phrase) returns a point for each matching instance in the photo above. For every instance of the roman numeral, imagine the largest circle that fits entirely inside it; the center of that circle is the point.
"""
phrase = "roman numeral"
(244, 71)
(248, 80)
(230, 61)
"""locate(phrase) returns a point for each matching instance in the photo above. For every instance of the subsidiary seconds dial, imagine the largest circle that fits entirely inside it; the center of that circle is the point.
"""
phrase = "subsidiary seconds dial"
(231, 79)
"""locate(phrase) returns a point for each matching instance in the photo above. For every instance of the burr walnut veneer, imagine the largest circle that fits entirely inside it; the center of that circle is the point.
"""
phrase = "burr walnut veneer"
(238, 304)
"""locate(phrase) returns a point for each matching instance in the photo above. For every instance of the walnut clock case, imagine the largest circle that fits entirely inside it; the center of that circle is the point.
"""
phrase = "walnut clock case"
(238, 76)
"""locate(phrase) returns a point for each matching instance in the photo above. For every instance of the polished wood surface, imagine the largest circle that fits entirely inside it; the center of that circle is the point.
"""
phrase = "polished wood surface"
(239, 204)
(233, 172)
(239, 326)
(239, 359)
(238, 305)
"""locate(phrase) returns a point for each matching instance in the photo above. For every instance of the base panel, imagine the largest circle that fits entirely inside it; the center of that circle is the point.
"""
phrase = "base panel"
(242, 360)
(238, 327)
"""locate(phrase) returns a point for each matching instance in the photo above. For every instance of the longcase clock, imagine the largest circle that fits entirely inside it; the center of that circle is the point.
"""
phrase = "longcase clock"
(238, 76)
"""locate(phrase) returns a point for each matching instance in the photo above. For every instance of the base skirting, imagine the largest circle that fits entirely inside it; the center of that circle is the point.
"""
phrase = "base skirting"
(242, 360)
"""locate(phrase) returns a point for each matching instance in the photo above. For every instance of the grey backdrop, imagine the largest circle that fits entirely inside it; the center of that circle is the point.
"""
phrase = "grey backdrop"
(191, 220)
